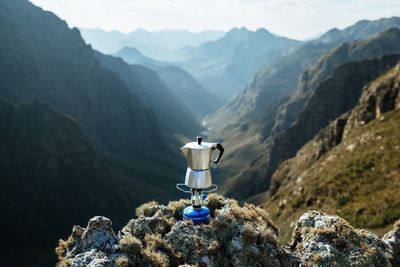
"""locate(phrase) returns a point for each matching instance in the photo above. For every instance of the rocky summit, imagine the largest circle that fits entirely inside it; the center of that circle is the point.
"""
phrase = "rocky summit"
(238, 235)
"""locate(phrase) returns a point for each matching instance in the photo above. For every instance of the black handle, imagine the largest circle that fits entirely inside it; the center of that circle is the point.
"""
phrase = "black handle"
(221, 151)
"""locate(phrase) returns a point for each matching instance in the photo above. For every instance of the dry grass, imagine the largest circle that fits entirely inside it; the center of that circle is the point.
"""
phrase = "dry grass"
(155, 258)
(64, 246)
(360, 186)
(147, 209)
(130, 245)
(177, 207)
(123, 261)
(161, 249)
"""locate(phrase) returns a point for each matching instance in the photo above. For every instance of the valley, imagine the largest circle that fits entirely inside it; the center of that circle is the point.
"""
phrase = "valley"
(91, 123)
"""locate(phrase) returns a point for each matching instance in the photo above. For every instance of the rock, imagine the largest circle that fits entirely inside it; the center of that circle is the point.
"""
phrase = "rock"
(323, 240)
(95, 245)
(380, 96)
(99, 235)
(392, 240)
(236, 236)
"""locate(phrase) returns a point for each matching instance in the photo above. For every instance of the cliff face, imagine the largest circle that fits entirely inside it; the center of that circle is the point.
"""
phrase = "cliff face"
(237, 236)
(41, 139)
(350, 167)
(48, 164)
(326, 89)
(174, 116)
(41, 58)
(92, 148)
(336, 95)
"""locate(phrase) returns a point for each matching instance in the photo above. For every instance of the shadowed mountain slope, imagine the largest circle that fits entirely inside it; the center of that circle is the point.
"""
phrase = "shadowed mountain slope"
(51, 177)
(351, 167)
(283, 130)
(53, 64)
(184, 87)
(102, 151)
(174, 116)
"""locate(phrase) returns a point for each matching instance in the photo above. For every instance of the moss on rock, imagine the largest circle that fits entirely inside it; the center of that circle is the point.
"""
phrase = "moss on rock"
(238, 235)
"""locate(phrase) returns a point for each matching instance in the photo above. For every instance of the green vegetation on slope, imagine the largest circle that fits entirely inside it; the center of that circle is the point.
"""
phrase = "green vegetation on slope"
(358, 180)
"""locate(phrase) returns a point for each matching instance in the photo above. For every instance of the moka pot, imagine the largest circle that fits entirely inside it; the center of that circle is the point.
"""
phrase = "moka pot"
(198, 157)
(198, 178)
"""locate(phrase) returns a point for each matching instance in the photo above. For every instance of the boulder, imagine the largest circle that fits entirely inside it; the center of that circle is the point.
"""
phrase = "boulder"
(323, 240)
(238, 235)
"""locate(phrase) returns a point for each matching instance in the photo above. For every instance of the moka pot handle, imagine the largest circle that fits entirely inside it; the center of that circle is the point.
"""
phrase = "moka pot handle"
(221, 151)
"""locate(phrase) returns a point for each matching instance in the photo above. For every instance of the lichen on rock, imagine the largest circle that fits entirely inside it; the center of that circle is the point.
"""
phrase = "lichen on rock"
(392, 240)
(323, 240)
(238, 235)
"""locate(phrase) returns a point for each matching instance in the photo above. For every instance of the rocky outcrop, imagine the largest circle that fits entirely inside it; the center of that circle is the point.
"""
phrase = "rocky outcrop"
(325, 140)
(350, 167)
(333, 97)
(323, 240)
(95, 245)
(392, 240)
(381, 96)
(237, 236)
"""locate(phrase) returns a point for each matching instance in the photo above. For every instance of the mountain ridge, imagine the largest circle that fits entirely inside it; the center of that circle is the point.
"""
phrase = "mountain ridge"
(288, 110)
(158, 44)
(180, 82)
(359, 149)
(224, 66)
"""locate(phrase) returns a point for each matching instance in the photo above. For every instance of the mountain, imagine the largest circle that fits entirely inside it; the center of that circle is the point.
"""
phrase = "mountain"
(294, 120)
(54, 65)
(133, 56)
(93, 147)
(361, 30)
(225, 65)
(182, 84)
(174, 116)
(265, 91)
(52, 176)
(236, 236)
(162, 45)
(351, 166)
(190, 91)
(273, 82)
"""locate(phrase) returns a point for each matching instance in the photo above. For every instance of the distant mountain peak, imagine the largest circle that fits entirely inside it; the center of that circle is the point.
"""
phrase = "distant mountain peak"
(263, 30)
(237, 31)
(360, 30)
(130, 49)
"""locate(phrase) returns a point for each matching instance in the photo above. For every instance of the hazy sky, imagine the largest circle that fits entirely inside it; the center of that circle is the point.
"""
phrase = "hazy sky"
(293, 18)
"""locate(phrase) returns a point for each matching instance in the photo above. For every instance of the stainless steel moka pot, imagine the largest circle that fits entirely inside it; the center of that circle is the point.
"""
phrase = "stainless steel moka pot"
(198, 177)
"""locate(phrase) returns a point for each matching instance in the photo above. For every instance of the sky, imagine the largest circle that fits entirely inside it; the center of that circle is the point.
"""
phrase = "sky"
(299, 19)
